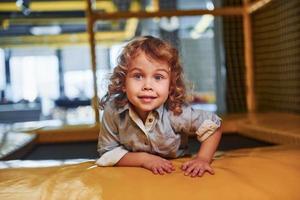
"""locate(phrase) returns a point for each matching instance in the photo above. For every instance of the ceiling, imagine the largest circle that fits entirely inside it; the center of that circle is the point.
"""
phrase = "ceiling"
(63, 22)
(58, 22)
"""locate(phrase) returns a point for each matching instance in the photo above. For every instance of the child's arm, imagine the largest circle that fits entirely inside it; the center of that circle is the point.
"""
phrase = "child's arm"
(201, 163)
(113, 153)
(154, 163)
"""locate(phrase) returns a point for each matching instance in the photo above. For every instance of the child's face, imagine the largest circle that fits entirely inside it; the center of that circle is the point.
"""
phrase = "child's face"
(147, 84)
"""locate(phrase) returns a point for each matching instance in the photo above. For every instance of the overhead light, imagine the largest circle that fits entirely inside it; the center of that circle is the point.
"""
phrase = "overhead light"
(210, 5)
(201, 26)
(169, 24)
(45, 30)
(24, 6)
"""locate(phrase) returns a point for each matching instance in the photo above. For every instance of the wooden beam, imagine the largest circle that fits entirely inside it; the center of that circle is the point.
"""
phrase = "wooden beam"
(248, 52)
(90, 28)
(167, 13)
(252, 7)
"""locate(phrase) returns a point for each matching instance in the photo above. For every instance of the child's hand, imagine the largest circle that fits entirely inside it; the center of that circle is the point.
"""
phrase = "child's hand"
(196, 167)
(158, 165)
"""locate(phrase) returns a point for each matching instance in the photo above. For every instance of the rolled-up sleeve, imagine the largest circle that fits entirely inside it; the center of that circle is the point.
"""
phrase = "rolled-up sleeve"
(194, 121)
(109, 147)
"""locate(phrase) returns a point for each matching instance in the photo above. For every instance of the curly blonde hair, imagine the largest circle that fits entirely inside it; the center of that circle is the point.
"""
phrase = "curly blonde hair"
(153, 48)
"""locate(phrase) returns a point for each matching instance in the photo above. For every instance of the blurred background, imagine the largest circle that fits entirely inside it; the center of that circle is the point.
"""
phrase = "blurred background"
(45, 62)
(46, 71)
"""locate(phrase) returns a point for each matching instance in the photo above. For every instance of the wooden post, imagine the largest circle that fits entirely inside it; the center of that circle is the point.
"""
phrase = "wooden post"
(248, 51)
(90, 27)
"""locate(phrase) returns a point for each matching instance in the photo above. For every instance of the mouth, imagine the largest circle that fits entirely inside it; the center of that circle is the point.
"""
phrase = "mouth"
(147, 98)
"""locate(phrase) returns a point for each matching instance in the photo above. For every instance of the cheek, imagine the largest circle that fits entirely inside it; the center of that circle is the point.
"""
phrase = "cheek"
(127, 85)
(130, 87)
(165, 88)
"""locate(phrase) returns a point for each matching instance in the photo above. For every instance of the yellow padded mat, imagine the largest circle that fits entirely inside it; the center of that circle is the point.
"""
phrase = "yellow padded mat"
(259, 173)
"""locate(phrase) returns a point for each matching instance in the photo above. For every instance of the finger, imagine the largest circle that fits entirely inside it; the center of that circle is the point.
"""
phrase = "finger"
(167, 168)
(210, 170)
(173, 168)
(201, 172)
(195, 172)
(170, 166)
(154, 170)
(185, 165)
(188, 170)
(161, 171)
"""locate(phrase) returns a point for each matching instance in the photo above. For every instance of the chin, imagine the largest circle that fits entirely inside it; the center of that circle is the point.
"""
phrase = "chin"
(148, 109)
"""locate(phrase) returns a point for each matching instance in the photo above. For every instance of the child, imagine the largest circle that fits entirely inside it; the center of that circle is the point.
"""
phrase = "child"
(145, 120)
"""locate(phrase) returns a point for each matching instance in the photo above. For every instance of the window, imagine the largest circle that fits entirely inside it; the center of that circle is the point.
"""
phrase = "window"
(33, 77)
(2, 70)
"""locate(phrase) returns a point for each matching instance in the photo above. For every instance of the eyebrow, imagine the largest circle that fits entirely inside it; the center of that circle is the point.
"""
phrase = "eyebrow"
(164, 70)
(138, 69)
(133, 69)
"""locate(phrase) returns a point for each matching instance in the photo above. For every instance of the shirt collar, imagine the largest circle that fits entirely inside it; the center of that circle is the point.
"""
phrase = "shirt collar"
(159, 110)
(124, 108)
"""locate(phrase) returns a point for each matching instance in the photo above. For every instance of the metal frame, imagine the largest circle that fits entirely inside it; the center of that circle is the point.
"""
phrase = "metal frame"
(245, 11)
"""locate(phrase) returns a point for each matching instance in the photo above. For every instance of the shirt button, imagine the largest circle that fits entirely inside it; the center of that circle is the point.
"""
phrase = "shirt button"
(150, 120)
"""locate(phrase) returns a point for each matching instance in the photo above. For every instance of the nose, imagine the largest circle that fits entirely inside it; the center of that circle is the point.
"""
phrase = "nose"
(147, 85)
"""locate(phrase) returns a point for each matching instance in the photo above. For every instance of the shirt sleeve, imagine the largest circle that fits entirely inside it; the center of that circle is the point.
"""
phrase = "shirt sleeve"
(109, 147)
(194, 121)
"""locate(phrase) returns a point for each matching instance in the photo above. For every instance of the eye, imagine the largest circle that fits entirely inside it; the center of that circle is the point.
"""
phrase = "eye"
(158, 77)
(137, 76)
